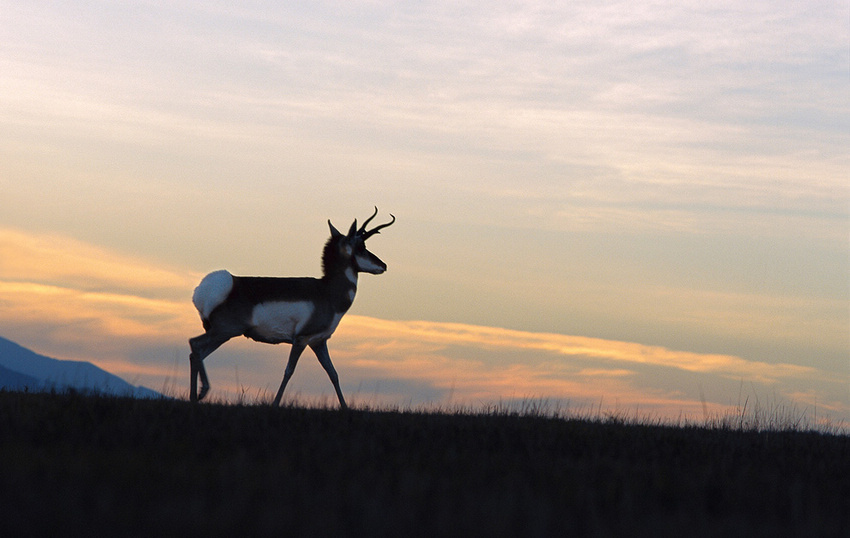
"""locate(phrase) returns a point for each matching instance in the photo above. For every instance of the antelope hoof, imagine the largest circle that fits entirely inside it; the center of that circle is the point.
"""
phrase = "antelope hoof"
(204, 390)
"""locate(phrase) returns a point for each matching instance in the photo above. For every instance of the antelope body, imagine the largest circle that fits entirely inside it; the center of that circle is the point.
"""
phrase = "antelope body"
(298, 311)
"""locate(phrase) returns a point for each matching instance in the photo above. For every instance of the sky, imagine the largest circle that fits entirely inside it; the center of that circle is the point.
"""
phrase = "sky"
(637, 208)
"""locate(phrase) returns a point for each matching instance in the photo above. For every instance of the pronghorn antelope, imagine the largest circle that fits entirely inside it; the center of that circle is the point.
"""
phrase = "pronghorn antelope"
(299, 311)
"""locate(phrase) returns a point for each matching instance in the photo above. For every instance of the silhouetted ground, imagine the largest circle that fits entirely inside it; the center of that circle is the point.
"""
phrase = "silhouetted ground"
(75, 464)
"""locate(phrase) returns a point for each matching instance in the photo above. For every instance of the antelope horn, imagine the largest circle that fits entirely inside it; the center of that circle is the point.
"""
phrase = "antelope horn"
(363, 228)
(376, 229)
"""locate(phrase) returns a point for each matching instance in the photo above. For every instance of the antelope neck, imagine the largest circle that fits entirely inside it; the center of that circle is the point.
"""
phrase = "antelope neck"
(342, 285)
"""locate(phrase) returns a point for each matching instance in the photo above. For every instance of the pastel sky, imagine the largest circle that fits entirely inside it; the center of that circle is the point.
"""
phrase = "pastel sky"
(637, 206)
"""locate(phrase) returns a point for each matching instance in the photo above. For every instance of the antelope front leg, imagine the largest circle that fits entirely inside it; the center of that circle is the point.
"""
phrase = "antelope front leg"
(294, 355)
(321, 350)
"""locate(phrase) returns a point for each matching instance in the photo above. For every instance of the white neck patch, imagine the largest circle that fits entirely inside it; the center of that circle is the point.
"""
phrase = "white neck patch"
(351, 275)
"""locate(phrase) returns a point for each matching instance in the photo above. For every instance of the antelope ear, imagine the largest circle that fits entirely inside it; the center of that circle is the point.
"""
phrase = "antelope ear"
(334, 232)
(353, 229)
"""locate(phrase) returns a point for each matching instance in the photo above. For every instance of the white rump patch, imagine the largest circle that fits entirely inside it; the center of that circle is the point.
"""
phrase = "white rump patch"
(280, 320)
(212, 291)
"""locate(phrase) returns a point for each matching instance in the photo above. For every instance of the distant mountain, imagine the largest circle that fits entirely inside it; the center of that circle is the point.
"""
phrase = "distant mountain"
(21, 368)
(10, 379)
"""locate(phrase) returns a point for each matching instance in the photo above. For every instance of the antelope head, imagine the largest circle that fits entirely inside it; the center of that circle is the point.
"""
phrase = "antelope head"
(353, 245)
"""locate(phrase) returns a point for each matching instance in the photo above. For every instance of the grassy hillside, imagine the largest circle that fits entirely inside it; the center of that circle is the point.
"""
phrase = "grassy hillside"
(75, 463)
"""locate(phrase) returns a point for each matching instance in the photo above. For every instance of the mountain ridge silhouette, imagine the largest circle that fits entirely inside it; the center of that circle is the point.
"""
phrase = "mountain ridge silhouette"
(24, 369)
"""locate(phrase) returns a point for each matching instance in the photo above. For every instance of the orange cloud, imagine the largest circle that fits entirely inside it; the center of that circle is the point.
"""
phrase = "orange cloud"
(73, 301)
(114, 315)
(63, 261)
(566, 345)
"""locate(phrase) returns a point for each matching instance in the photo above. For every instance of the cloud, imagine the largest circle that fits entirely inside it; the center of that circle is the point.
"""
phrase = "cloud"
(667, 103)
(70, 300)
(51, 259)
(604, 351)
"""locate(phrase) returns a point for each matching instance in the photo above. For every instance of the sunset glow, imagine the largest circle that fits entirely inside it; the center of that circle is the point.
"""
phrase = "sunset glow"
(645, 207)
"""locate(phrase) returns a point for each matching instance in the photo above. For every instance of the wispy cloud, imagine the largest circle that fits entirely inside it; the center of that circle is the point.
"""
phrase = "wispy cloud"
(447, 334)
(48, 259)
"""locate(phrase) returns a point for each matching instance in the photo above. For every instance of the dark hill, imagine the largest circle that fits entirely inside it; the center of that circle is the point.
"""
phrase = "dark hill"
(73, 464)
